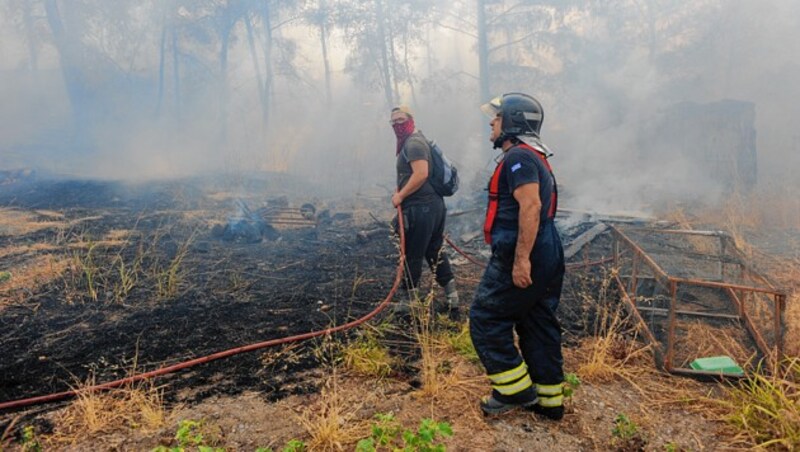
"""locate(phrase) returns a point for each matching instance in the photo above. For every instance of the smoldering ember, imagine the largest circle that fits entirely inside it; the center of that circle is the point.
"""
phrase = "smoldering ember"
(213, 213)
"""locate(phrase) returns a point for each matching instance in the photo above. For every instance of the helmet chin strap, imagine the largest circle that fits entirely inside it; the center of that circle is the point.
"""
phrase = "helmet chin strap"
(498, 143)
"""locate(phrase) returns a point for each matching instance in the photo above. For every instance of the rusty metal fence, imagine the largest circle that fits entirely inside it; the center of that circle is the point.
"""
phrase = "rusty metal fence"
(670, 278)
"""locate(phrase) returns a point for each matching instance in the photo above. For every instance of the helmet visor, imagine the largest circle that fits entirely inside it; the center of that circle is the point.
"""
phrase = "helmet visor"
(493, 108)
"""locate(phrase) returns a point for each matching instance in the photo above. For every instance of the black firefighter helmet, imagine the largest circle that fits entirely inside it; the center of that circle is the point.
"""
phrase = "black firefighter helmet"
(522, 115)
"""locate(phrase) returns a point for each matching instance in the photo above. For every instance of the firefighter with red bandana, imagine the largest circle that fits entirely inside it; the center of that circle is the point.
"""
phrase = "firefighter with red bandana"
(424, 213)
(521, 286)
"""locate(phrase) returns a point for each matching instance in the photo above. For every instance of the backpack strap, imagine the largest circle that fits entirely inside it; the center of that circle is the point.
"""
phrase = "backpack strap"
(427, 141)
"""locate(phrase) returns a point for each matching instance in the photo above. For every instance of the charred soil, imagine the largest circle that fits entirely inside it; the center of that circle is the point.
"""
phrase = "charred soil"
(146, 285)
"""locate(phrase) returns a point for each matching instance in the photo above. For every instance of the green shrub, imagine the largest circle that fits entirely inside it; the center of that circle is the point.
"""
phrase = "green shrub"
(189, 436)
(387, 434)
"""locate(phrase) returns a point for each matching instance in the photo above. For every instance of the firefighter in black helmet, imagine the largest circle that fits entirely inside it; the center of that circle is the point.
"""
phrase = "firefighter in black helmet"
(521, 285)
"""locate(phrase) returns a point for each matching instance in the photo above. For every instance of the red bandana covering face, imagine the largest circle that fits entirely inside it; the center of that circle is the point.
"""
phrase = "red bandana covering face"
(402, 131)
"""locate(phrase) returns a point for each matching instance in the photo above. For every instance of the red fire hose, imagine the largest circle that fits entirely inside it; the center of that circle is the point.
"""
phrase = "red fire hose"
(227, 353)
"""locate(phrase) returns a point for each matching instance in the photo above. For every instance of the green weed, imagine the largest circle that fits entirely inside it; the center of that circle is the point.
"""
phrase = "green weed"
(367, 356)
(294, 445)
(571, 384)
(624, 427)
(765, 408)
(387, 434)
(29, 441)
(89, 270)
(626, 435)
(461, 342)
(128, 276)
(189, 436)
(169, 277)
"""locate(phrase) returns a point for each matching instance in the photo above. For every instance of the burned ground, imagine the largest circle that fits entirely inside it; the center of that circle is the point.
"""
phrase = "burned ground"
(169, 291)
(103, 280)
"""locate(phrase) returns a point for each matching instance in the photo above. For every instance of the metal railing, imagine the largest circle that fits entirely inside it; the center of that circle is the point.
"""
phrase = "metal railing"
(741, 295)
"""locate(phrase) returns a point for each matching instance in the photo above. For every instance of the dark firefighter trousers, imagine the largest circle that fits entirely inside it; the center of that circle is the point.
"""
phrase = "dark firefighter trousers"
(499, 308)
(424, 232)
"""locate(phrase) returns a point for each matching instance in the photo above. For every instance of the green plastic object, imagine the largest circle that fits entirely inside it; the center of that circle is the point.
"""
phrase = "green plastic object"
(723, 364)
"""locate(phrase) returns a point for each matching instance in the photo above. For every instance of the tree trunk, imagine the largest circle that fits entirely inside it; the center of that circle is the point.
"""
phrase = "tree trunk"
(393, 64)
(176, 75)
(223, 83)
(408, 69)
(428, 51)
(259, 79)
(267, 19)
(323, 41)
(483, 62)
(483, 53)
(162, 50)
(70, 70)
(385, 73)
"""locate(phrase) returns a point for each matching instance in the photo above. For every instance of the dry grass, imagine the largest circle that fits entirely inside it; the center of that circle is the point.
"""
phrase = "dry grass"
(431, 349)
(765, 210)
(21, 250)
(33, 273)
(114, 239)
(18, 222)
(774, 207)
(93, 413)
(109, 269)
(274, 359)
(222, 196)
(331, 421)
(701, 340)
(49, 214)
(700, 244)
(613, 353)
(787, 273)
(737, 217)
(440, 371)
(764, 410)
(121, 236)
(792, 318)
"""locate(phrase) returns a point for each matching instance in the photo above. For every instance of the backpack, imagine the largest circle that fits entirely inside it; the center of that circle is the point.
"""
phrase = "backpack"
(443, 175)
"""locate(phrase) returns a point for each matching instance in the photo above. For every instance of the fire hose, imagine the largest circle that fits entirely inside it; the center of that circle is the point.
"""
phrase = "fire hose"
(226, 353)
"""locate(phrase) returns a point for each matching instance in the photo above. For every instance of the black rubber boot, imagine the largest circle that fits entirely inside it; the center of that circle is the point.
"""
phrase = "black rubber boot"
(455, 314)
(402, 307)
(498, 404)
(555, 413)
(453, 304)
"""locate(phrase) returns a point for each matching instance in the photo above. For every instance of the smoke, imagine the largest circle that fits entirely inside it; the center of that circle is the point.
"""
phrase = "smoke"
(135, 91)
(599, 124)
